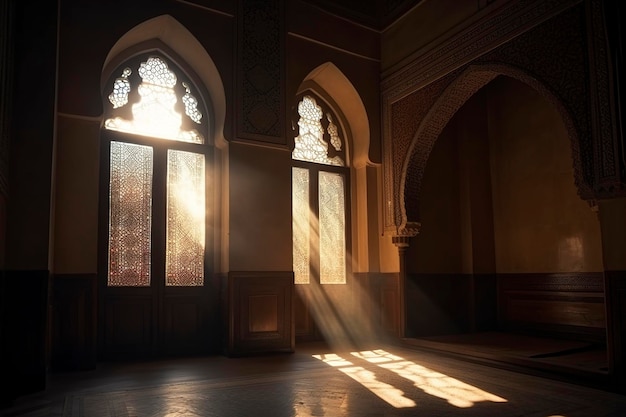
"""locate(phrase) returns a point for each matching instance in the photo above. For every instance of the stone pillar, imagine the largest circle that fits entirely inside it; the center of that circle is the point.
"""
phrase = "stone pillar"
(402, 240)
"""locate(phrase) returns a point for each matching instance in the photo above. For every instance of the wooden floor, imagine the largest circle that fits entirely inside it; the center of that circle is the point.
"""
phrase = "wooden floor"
(315, 381)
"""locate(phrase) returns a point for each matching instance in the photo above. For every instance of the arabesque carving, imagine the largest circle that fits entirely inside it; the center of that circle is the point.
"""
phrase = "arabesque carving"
(552, 58)
(403, 235)
(260, 70)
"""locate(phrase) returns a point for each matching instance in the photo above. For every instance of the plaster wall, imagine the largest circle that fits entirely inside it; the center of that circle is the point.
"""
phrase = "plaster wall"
(76, 213)
(260, 208)
(437, 248)
(540, 223)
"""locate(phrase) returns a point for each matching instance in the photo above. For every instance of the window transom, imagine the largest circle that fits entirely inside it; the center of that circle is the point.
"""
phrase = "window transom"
(155, 112)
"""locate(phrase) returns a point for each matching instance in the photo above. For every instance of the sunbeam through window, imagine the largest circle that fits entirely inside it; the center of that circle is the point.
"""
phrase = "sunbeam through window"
(437, 384)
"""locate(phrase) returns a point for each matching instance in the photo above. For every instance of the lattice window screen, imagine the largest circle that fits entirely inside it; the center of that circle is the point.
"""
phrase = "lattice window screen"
(130, 215)
(332, 226)
(301, 214)
(184, 260)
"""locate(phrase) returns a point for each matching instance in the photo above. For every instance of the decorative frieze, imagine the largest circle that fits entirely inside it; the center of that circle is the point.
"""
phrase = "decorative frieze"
(494, 30)
(543, 44)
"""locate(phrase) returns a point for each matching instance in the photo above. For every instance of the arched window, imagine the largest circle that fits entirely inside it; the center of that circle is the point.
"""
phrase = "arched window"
(320, 180)
(156, 140)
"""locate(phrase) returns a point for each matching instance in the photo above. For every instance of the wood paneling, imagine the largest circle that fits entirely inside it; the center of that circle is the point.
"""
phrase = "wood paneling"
(363, 308)
(616, 323)
(380, 300)
(24, 327)
(571, 305)
(259, 312)
(74, 332)
(439, 304)
(305, 327)
(128, 325)
(389, 317)
(185, 324)
(484, 302)
(263, 313)
(567, 305)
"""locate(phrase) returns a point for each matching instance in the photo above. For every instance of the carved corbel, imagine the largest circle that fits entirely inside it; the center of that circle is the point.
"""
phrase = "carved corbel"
(403, 235)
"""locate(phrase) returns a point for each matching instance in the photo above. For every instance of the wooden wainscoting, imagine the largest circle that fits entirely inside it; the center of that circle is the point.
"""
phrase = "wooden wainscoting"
(616, 322)
(74, 331)
(259, 312)
(379, 298)
(439, 304)
(305, 327)
(24, 319)
(571, 305)
(435, 303)
(128, 326)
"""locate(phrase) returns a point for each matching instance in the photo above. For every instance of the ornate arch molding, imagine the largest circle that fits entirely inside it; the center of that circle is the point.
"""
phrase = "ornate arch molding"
(473, 78)
(168, 31)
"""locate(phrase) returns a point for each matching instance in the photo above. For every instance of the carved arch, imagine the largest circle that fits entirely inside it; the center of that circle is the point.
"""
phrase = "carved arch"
(472, 79)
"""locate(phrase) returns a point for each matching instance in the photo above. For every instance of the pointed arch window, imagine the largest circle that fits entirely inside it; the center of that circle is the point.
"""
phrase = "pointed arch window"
(157, 160)
(156, 113)
(319, 195)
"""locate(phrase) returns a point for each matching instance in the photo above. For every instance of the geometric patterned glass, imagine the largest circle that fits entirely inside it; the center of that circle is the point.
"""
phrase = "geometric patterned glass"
(184, 259)
(310, 145)
(332, 221)
(301, 213)
(155, 113)
(130, 215)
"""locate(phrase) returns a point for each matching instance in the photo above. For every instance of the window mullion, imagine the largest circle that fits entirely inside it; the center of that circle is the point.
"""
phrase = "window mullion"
(315, 224)
(159, 212)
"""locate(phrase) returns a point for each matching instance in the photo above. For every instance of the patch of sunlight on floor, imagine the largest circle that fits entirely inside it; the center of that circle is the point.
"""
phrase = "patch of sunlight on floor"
(386, 392)
(455, 392)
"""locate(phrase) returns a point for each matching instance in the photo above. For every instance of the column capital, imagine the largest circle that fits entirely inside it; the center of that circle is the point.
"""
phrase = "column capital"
(404, 234)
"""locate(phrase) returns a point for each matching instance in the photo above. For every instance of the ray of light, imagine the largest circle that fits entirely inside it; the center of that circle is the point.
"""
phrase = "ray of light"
(455, 392)
(368, 379)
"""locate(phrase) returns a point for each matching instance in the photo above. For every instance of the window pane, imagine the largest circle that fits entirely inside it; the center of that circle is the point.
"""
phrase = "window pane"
(184, 261)
(130, 200)
(155, 114)
(310, 145)
(332, 228)
(300, 216)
